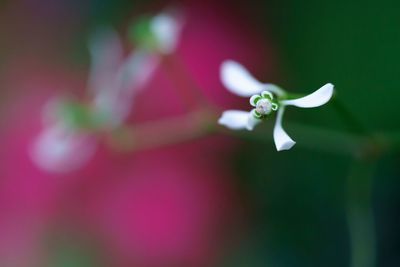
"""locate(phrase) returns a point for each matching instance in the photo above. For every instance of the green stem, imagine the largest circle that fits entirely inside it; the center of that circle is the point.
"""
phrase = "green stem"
(360, 215)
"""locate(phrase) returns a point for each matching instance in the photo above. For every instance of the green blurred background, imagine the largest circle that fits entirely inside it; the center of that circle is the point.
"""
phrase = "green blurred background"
(305, 195)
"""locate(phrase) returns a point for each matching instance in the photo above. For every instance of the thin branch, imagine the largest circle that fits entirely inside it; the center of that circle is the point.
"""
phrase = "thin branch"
(165, 132)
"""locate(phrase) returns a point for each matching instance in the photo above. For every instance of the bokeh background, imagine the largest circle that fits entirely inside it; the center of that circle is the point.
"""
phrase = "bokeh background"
(216, 200)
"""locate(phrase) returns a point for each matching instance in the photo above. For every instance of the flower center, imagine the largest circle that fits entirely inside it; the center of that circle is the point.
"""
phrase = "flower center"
(264, 106)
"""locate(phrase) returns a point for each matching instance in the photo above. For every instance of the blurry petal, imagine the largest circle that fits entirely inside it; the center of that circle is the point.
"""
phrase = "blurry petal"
(316, 99)
(58, 149)
(235, 119)
(136, 71)
(106, 54)
(115, 104)
(281, 138)
(166, 27)
(238, 80)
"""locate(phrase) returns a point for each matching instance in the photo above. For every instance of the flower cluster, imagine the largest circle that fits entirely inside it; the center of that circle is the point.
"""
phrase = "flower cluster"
(265, 98)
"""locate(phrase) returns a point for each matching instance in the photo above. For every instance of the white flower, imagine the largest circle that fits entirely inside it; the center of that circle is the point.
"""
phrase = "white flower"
(159, 33)
(239, 81)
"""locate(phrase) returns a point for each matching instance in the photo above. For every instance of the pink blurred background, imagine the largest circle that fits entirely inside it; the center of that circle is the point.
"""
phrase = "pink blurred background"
(176, 205)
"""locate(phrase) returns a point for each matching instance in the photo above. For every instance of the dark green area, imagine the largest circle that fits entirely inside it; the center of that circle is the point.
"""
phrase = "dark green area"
(300, 196)
(353, 44)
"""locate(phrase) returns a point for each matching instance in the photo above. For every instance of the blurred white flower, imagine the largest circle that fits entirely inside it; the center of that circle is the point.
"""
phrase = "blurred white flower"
(166, 28)
(69, 138)
(239, 81)
(61, 149)
(159, 33)
(63, 145)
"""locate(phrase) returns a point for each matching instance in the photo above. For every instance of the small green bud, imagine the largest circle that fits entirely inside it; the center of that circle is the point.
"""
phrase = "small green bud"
(141, 34)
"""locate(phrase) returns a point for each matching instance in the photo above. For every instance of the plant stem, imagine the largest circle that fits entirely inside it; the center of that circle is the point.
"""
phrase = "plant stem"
(360, 215)
(202, 122)
(165, 132)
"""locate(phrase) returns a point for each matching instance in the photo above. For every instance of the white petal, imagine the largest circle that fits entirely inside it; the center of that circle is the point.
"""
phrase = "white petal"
(106, 54)
(166, 28)
(281, 138)
(252, 122)
(235, 119)
(315, 99)
(59, 149)
(238, 80)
